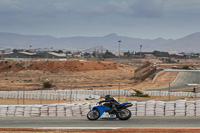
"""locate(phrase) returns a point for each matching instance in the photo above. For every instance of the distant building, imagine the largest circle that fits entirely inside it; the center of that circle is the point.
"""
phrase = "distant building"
(77, 54)
(116, 53)
(51, 55)
(18, 55)
(149, 56)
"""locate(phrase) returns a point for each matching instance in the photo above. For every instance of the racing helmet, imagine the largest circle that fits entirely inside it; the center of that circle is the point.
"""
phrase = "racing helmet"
(107, 97)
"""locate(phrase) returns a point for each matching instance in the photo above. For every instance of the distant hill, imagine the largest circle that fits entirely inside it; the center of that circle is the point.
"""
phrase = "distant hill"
(188, 43)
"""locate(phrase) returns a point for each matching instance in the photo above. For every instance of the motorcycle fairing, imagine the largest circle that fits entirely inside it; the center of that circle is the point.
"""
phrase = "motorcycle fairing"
(101, 109)
(127, 104)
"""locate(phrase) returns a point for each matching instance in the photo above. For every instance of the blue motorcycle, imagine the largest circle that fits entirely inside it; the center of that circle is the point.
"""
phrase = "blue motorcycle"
(122, 112)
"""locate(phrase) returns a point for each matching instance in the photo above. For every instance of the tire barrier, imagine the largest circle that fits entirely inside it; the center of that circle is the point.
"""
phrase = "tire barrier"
(48, 95)
(52, 110)
(147, 108)
(169, 108)
(166, 93)
(77, 95)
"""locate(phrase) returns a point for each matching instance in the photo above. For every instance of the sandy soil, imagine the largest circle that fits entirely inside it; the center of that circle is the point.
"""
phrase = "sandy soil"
(97, 79)
(160, 82)
(79, 75)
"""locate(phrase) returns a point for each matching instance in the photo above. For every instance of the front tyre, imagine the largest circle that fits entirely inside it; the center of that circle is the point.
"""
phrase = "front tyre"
(124, 114)
(93, 115)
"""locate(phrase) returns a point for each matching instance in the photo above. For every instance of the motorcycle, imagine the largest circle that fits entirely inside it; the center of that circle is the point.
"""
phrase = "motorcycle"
(122, 113)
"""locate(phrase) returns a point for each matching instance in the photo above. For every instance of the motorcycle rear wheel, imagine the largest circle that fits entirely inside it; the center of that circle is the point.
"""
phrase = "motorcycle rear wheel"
(93, 115)
(124, 114)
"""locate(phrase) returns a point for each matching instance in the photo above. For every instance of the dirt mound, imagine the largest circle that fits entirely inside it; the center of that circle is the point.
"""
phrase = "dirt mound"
(6, 66)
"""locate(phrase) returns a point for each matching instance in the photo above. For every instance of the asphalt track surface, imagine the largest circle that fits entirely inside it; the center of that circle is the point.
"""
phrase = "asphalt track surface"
(182, 122)
(182, 79)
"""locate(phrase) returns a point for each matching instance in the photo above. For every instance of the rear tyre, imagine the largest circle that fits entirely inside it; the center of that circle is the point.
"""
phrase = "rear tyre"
(93, 115)
(124, 114)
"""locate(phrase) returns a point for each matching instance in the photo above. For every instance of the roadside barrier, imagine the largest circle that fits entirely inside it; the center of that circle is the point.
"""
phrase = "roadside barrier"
(171, 93)
(147, 108)
(77, 95)
(48, 95)
(74, 95)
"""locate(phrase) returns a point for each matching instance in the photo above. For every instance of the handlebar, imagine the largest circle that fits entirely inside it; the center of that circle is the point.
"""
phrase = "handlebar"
(98, 103)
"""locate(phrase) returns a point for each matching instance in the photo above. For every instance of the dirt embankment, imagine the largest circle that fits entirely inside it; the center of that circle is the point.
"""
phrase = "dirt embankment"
(160, 82)
(64, 74)
(6, 66)
(15, 75)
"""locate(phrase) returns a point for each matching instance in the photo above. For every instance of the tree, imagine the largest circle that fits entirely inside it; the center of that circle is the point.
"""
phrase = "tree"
(68, 52)
(60, 51)
(94, 53)
(15, 51)
(127, 54)
(108, 54)
(160, 54)
(87, 54)
(27, 51)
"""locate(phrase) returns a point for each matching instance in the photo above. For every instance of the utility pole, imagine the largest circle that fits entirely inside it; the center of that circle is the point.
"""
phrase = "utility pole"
(3, 51)
(30, 48)
(140, 54)
(119, 52)
(30, 51)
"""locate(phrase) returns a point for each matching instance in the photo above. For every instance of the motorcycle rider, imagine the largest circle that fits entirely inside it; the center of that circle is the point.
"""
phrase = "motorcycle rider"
(113, 103)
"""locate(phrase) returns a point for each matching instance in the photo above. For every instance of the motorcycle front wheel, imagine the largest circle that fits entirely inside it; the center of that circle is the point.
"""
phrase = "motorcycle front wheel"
(124, 114)
(93, 115)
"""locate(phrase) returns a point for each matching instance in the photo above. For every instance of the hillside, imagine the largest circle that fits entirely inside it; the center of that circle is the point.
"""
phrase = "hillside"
(52, 66)
(186, 44)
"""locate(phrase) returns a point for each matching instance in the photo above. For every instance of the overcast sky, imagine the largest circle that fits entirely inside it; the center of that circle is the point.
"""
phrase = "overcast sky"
(147, 19)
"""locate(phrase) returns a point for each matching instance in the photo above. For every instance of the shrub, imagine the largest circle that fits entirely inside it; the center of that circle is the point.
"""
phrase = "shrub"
(9, 66)
(144, 95)
(47, 84)
(186, 67)
(139, 94)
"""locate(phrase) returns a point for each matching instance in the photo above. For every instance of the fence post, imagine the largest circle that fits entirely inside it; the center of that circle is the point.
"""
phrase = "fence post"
(94, 94)
(58, 98)
(18, 97)
(119, 92)
(71, 95)
(76, 96)
(41, 97)
(169, 91)
(160, 93)
(23, 93)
